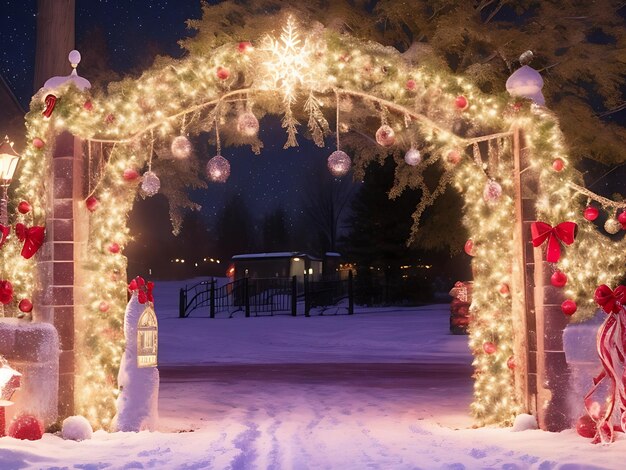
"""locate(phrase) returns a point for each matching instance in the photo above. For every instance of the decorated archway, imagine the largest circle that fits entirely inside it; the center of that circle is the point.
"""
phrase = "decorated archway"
(505, 155)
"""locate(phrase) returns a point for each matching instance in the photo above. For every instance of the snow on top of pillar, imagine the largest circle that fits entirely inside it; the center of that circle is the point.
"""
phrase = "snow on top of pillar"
(80, 82)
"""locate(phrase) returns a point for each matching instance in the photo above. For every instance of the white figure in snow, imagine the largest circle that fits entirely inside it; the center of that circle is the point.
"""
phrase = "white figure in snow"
(138, 378)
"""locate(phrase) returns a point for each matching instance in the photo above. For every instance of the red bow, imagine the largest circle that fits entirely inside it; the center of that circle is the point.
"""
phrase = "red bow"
(4, 234)
(144, 290)
(50, 102)
(610, 301)
(32, 238)
(6, 292)
(565, 232)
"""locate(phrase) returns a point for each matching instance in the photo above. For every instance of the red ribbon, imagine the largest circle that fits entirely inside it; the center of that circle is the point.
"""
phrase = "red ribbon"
(144, 290)
(4, 234)
(565, 232)
(50, 102)
(32, 238)
(610, 343)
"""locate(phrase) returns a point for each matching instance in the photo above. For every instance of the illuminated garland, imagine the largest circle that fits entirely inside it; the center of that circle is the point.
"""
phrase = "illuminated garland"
(377, 85)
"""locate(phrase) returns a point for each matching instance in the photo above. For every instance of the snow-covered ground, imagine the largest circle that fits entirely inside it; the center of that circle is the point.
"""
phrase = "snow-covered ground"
(383, 389)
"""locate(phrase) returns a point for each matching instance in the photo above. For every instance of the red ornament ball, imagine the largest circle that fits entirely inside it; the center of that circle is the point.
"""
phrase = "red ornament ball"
(489, 347)
(558, 279)
(569, 307)
(469, 247)
(621, 218)
(558, 164)
(461, 102)
(25, 306)
(88, 106)
(411, 85)
(591, 213)
(110, 119)
(223, 73)
(114, 248)
(510, 362)
(38, 143)
(504, 289)
(586, 427)
(24, 207)
(245, 47)
(130, 174)
(6, 292)
(92, 203)
(453, 157)
(104, 306)
(26, 427)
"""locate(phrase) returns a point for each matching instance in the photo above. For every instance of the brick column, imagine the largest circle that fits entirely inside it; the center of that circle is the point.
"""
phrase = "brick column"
(58, 269)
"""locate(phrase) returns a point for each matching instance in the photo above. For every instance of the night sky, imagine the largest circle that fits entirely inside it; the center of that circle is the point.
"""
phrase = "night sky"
(270, 180)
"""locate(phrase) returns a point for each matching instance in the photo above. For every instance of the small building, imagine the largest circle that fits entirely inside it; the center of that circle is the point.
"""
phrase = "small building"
(279, 264)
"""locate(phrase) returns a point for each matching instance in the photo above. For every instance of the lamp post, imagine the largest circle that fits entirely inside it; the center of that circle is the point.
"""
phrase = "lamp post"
(8, 163)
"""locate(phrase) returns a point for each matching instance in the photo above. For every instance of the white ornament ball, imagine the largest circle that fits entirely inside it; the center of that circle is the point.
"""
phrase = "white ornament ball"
(385, 136)
(612, 226)
(74, 57)
(492, 192)
(218, 169)
(247, 124)
(181, 147)
(76, 428)
(413, 157)
(151, 183)
(339, 163)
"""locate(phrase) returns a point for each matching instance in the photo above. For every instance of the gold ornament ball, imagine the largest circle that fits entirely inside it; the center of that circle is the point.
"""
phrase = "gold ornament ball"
(612, 226)
(181, 147)
(218, 169)
(339, 163)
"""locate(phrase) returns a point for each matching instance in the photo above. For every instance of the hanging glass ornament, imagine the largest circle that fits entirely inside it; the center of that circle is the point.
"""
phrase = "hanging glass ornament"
(247, 124)
(150, 184)
(413, 157)
(612, 226)
(492, 192)
(339, 163)
(181, 147)
(385, 136)
(218, 169)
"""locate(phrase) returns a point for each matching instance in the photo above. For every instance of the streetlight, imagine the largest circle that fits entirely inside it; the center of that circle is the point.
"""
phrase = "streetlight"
(8, 163)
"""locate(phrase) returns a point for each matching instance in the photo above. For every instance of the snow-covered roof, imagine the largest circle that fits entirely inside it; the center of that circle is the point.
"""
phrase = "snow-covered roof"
(332, 253)
(278, 254)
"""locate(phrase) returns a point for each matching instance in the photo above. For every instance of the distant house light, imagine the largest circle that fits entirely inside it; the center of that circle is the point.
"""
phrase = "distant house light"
(296, 259)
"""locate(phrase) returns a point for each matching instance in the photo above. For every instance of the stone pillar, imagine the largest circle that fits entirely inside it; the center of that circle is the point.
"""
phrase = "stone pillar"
(58, 266)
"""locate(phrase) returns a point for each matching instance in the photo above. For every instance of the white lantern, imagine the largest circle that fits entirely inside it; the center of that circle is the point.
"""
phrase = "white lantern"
(527, 83)
(147, 338)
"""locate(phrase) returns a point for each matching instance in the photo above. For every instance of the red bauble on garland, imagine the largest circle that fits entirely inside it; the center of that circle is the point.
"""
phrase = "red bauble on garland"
(469, 247)
(114, 248)
(6, 292)
(504, 289)
(245, 47)
(569, 307)
(24, 207)
(586, 427)
(5, 230)
(558, 164)
(489, 347)
(591, 213)
(104, 306)
(453, 157)
(222, 73)
(88, 106)
(510, 362)
(461, 102)
(38, 143)
(25, 306)
(130, 174)
(26, 427)
(92, 203)
(411, 85)
(558, 279)
(621, 218)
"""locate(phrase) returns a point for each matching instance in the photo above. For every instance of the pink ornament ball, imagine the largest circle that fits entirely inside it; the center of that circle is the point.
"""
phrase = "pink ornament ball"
(38, 143)
(489, 347)
(24, 207)
(469, 247)
(26, 427)
(114, 248)
(461, 102)
(339, 163)
(218, 169)
(569, 307)
(411, 85)
(88, 105)
(453, 157)
(510, 363)
(181, 147)
(492, 192)
(558, 279)
(223, 73)
(104, 306)
(413, 157)
(558, 165)
(92, 203)
(385, 136)
(247, 124)
(591, 213)
(25, 306)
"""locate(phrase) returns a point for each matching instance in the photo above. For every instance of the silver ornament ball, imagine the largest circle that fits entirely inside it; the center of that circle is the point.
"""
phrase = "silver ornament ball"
(339, 163)
(150, 184)
(218, 169)
(413, 157)
(247, 124)
(181, 147)
(385, 136)
(492, 192)
(612, 226)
